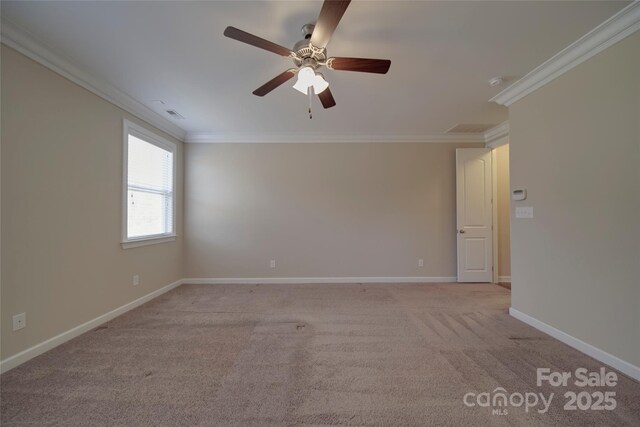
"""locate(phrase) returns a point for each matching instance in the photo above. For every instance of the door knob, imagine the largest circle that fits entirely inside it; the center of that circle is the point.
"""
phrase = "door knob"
(461, 231)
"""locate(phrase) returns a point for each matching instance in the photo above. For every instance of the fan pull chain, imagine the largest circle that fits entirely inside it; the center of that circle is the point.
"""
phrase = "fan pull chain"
(310, 92)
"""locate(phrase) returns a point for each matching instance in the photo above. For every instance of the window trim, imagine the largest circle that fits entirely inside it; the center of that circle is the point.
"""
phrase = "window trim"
(130, 128)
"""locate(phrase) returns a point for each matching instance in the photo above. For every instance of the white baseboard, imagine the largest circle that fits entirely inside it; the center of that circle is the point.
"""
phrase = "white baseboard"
(601, 355)
(504, 279)
(38, 349)
(301, 280)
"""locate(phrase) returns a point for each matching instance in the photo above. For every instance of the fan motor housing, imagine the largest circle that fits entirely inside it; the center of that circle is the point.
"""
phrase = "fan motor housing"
(306, 53)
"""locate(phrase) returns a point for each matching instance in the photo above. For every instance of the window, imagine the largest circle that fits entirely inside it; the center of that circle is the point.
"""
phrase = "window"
(149, 182)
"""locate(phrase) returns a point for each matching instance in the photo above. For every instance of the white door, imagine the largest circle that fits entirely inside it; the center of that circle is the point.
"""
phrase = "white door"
(474, 217)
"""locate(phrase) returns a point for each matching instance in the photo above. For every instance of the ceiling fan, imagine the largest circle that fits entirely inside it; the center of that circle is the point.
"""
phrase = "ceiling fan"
(310, 54)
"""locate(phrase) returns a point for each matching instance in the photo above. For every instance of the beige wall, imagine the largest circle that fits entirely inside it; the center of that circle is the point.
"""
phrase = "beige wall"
(320, 210)
(575, 147)
(62, 262)
(503, 204)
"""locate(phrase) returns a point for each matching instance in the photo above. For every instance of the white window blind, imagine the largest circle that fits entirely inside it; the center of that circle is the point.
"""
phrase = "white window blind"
(149, 190)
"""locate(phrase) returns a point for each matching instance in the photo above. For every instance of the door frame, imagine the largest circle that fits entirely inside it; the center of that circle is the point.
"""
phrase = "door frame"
(494, 213)
(500, 139)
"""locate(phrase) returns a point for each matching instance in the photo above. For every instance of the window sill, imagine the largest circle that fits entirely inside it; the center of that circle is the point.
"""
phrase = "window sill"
(147, 241)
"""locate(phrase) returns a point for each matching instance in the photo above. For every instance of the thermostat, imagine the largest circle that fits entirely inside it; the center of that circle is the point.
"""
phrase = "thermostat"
(519, 194)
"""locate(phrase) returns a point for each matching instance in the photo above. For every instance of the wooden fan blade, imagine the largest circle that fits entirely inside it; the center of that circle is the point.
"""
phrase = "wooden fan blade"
(243, 36)
(330, 15)
(364, 65)
(275, 82)
(326, 98)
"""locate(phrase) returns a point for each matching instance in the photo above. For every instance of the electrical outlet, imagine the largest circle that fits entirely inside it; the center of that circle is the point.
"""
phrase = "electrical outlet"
(273, 263)
(420, 262)
(136, 279)
(19, 321)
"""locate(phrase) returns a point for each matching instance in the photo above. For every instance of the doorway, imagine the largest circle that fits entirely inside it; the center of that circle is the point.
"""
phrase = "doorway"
(502, 215)
(483, 214)
(474, 217)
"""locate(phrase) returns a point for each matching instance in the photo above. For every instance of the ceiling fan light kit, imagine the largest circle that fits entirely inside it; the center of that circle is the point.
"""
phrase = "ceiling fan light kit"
(310, 54)
(307, 78)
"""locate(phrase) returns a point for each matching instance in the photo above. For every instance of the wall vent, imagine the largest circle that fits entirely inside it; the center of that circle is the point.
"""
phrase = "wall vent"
(470, 128)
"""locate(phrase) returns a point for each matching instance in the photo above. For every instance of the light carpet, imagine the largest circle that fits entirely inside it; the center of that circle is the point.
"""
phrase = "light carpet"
(305, 355)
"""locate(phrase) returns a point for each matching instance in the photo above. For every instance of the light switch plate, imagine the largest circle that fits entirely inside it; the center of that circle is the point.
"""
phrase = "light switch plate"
(524, 212)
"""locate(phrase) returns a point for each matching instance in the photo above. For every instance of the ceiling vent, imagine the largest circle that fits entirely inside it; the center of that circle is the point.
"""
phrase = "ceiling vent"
(175, 114)
(469, 128)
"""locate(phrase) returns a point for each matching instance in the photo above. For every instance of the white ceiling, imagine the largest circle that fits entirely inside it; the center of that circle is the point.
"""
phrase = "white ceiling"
(443, 53)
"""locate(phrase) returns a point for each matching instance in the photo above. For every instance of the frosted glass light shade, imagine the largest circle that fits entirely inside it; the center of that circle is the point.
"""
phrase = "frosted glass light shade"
(307, 77)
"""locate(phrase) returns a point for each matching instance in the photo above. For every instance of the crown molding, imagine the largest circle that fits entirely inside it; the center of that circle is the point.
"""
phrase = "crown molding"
(494, 137)
(27, 45)
(20, 40)
(324, 137)
(622, 24)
